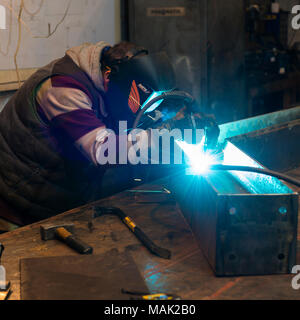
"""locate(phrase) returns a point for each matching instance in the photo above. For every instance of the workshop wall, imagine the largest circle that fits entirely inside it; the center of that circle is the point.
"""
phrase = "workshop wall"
(48, 28)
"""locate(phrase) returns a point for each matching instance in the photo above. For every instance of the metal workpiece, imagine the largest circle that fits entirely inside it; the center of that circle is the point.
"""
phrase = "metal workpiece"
(239, 232)
(258, 123)
(246, 223)
(277, 147)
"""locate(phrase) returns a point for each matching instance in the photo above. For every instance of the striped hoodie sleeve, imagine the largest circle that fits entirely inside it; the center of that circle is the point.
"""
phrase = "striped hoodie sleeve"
(63, 104)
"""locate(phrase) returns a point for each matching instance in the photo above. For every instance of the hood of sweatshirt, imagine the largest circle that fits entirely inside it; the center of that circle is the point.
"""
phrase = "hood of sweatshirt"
(87, 57)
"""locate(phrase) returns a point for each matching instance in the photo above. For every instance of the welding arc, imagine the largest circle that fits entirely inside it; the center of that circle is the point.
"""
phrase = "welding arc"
(178, 95)
(267, 172)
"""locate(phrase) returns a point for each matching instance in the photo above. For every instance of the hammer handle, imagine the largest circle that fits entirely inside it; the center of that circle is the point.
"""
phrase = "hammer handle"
(73, 242)
(78, 245)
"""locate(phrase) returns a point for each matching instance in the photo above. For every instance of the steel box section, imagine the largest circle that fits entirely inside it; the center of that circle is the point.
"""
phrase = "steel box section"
(277, 147)
(272, 139)
(239, 233)
(245, 222)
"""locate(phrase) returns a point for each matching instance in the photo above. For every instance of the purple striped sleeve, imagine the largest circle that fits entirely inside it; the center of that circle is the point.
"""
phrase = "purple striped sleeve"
(75, 124)
(69, 82)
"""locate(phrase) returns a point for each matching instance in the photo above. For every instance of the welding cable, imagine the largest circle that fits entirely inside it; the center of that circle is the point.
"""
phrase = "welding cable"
(267, 172)
(178, 95)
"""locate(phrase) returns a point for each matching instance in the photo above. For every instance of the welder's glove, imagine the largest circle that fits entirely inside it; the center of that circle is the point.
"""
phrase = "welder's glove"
(184, 119)
(181, 120)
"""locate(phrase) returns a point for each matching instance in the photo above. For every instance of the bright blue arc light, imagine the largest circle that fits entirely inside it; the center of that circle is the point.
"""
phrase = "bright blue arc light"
(156, 104)
(199, 160)
(255, 183)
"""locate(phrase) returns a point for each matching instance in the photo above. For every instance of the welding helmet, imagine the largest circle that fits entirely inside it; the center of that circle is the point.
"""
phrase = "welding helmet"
(134, 81)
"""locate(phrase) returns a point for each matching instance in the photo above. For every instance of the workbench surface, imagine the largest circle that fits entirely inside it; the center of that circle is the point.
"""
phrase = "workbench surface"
(187, 273)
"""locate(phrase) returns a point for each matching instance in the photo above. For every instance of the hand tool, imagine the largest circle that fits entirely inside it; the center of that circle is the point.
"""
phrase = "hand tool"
(149, 297)
(64, 233)
(152, 247)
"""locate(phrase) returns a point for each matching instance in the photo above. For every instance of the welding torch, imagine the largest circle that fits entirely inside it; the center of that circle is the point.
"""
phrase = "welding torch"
(208, 123)
(212, 132)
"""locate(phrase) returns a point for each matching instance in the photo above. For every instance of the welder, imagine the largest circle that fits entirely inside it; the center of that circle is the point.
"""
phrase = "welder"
(53, 128)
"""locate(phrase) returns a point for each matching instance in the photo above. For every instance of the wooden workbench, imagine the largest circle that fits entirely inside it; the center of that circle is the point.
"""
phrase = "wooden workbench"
(187, 273)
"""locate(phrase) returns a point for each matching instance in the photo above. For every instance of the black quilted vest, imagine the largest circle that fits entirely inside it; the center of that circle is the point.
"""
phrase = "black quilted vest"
(41, 174)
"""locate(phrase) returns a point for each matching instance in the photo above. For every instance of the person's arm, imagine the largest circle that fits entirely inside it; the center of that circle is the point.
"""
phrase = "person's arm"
(185, 119)
(68, 109)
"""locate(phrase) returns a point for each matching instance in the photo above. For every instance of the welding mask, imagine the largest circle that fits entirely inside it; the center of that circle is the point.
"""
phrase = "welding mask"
(134, 82)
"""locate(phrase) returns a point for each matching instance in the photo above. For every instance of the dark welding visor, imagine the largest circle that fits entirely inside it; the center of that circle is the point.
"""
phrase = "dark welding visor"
(135, 82)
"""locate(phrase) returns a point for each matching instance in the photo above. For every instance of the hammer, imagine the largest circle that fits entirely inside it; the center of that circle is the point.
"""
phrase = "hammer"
(64, 233)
